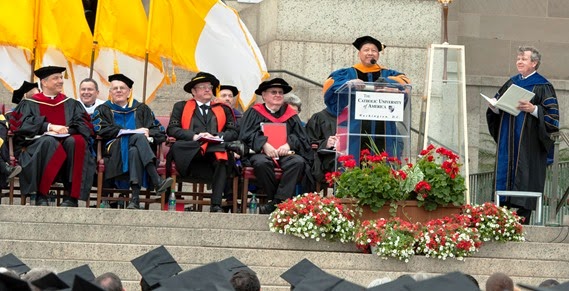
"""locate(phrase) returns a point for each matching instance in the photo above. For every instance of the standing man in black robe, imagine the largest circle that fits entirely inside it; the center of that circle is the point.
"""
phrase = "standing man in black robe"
(129, 156)
(196, 124)
(523, 141)
(294, 157)
(51, 139)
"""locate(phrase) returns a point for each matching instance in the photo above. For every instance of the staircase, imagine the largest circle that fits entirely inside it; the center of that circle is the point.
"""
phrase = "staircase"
(107, 239)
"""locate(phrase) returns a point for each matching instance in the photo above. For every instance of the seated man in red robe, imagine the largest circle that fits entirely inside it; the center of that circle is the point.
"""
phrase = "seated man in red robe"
(51, 133)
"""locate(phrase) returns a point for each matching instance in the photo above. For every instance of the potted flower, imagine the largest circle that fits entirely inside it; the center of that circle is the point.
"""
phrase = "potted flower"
(314, 217)
(493, 222)
(380, 180)
(444, 238)
(391, 237)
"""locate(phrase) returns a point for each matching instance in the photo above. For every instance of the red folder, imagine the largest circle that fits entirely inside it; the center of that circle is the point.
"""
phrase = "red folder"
(276, 133)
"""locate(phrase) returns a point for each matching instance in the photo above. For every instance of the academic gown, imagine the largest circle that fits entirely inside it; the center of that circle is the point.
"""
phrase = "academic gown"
(185, 149)
(319, 128)
(523, 141)
(337, 107)
(107, 127)
(44, 157)
(252, 135)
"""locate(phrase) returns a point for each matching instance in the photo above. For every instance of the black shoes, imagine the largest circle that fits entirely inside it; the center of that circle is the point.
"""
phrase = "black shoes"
(12, 171)
(236, 146)
(134, 203)
(164, 185)
(41, 200)
(69, 202)
(267, 208)
(216, 208)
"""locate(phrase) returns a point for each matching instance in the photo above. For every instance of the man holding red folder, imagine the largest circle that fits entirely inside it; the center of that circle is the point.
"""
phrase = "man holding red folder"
(292, 154)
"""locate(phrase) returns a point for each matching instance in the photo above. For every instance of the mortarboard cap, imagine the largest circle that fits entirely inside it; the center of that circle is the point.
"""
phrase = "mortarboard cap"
(318, 280)
(233, 89)
(18, 94)
(10, 261)
(122, 78)
(395, 285)
(82, 271)
(360, 41)
(50, 282)
(231, 266)
(210, 277)
(298, 272)
(82, 284)
(156, 265)
(560, 287)
(8, 282)
(448, 282)
(45, 72)
(274, 83)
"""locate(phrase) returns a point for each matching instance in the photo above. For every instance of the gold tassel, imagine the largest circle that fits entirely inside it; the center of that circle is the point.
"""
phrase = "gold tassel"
(173, 75)
(116, 65)
(65, 75)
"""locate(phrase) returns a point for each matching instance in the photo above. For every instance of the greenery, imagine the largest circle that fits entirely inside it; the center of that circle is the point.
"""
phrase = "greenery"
(434, 180)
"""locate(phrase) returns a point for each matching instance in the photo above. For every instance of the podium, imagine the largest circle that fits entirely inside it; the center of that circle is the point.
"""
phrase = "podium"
(374, 115)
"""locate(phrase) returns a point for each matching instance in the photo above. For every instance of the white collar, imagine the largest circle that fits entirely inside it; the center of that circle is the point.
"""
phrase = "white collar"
(523, 78)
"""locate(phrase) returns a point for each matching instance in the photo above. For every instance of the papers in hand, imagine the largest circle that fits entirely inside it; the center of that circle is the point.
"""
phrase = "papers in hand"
(508, 102)
(214, 139)
(130, 131)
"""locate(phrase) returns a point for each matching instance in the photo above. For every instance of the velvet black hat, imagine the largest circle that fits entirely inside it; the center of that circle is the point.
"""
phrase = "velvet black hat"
(360, 41)
(276, 82)
(156, 265)
(45, 72)
(70, 276)
(448, 282)
(395, 285)
(298, 272)
(81, 284)
(10, 261)
(19, 93)
(202, 77)
(8, 282)
(123, 78)
(233, 89)
(50, 281)
(211, 277)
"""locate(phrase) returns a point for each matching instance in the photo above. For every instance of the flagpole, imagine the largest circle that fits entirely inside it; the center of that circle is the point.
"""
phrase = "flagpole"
(35, 36)
(144, 78)
(92, 60)
(95, 42)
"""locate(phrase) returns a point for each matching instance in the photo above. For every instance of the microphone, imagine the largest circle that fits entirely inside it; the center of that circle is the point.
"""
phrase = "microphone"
(373, 61)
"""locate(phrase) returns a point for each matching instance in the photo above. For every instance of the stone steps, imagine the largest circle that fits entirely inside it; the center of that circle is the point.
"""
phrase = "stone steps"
(107, 239)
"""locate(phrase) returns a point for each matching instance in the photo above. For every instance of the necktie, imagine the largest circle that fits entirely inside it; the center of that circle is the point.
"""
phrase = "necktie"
(204, 111)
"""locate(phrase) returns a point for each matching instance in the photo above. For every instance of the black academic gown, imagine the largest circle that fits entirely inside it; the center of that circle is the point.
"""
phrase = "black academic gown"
(252, 135)
(523, 141)
(42, 157)
(319, 128)
(107, 128)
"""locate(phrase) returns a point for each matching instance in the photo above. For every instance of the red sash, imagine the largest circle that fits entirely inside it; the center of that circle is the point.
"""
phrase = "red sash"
(289, 112)
(219, 113)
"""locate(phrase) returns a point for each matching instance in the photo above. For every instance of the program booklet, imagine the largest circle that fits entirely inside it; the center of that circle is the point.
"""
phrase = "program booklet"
(509, 100)
(275, 132)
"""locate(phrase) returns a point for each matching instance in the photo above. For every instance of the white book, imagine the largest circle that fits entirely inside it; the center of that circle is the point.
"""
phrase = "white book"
(130, 131)
(509, 100)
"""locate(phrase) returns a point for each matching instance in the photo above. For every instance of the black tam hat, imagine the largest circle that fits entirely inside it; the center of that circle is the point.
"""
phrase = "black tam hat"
(10, 261)
(277, 83)
(45, 72)
(202, 77)
(360, 41)
(156, 265)
(19, 93)
(122, 78)
(233, 89)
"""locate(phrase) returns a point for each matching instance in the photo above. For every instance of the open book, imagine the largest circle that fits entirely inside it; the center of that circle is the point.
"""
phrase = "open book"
(509, 100)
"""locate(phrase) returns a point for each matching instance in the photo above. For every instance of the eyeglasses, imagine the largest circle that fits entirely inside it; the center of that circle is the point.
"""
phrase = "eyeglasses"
(121, 88)
(204, 87)
(226, 95)
(275, 92)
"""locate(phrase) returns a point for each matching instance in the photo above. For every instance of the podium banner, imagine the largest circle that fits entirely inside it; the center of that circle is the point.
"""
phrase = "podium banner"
(379, 106)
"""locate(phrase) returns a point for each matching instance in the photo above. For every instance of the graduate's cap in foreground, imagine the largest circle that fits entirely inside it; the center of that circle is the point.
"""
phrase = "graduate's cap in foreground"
(156, 265)
(45, 72)
(395, 285)
(50, 282)
(82, 284)
(560, 287)
(120, 77)
(210, 277)
(18, 94)
(360, 41)
(448, 282)
(202, 77)
(318, 280)
(233, 89)
(8, 282)
(273, 83)
(298, 272)
(10, 261)
(231, 266)
(82, 271)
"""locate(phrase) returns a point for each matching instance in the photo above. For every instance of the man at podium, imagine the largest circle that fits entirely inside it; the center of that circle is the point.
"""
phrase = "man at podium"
(368, 70)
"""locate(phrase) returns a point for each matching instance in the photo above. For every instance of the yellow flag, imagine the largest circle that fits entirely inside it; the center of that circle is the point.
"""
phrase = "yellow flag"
(120, 31)
(207, 35)
(16, 41)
